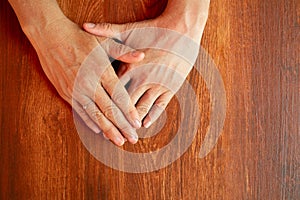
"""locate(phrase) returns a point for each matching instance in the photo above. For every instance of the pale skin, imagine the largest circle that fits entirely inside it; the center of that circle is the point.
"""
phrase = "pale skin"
(62, 45)
(188, 18)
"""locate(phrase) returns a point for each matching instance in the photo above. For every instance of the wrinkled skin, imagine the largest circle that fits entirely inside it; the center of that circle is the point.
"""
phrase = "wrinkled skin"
(170, 54)
(66, 57)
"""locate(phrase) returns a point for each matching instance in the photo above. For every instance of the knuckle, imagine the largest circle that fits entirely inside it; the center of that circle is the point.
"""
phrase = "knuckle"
(143, 108)
(108, 130)
(97, 115)
(120, 98)
(161, 104)
(110, 112)
(121, 49)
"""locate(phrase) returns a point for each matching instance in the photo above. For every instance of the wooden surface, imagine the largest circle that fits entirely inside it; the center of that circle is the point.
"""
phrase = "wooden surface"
(256, 47)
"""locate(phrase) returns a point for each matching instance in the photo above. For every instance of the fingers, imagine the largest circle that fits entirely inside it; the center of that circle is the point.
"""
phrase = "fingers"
(150, 102)
(104, 29)
(121, 52)
(110, 102)
(120, 97)
(103, 86)
(109, 130)
(116, 31)
(85, 117)
(93, 117)
(110, 111)
(106, 114)
(145, 103)
(137, 92)
(157, 109)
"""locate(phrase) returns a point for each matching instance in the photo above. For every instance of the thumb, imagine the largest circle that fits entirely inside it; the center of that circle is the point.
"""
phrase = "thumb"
(105, 29)
(121, 52)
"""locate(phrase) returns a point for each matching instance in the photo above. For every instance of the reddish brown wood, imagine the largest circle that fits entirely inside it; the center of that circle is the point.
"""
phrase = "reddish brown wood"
(256, 46)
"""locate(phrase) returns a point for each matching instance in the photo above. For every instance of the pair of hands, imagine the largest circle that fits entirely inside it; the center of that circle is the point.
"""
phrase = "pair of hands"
(78, 65)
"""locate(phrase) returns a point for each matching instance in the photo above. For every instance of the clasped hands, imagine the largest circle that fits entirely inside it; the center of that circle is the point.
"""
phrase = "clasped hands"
(155, 63)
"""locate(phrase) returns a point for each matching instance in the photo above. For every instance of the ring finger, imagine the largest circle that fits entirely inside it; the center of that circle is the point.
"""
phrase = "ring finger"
(111, 112)
(108, 129)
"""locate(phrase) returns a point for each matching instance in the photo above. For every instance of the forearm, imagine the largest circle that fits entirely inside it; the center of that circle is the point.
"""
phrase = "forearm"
(36, 14)
(188, 16)
(192, 9)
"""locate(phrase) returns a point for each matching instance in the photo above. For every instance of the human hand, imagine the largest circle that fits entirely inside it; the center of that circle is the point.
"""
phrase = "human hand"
(78, 65)
(170, 54)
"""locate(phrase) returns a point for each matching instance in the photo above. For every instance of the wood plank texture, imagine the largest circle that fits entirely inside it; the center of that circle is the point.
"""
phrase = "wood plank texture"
(256, 47)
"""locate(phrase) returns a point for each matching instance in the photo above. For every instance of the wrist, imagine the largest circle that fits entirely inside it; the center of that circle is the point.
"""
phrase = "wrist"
(36, 15)
(50, 32)
(34, 28)
(186, 17)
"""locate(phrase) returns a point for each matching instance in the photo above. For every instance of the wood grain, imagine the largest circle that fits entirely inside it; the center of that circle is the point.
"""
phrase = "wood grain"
(255, 45)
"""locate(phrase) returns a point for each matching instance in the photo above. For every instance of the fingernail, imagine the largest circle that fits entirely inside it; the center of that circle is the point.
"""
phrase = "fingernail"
(90, 25)
(134, 138)
(137, 123)
(120, 141)
(147, 124)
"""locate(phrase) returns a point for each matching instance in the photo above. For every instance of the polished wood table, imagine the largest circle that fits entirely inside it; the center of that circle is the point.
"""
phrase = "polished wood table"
(255, 45)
